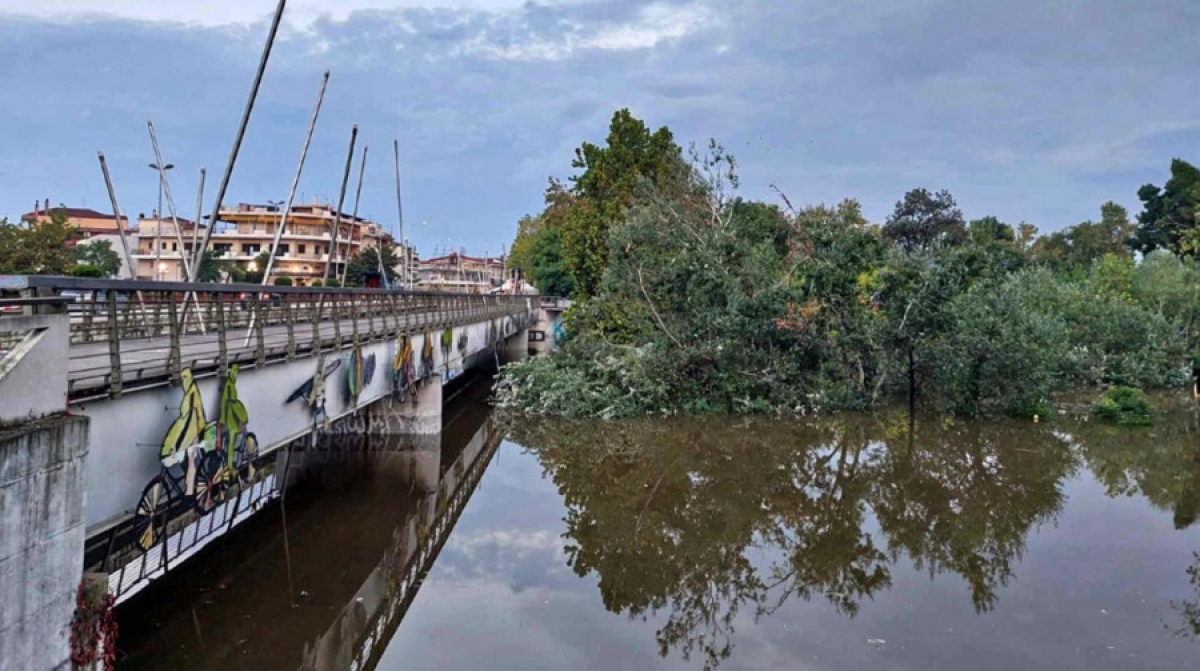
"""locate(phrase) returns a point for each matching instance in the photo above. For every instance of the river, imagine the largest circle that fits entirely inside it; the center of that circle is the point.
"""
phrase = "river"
(851, 542)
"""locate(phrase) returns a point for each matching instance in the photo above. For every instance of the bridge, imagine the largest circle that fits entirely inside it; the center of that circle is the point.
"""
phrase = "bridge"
(141, 420)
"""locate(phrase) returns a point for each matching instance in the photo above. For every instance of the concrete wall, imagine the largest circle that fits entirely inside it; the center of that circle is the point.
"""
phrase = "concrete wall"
(128, 433)
(33, 377)
(42, 476)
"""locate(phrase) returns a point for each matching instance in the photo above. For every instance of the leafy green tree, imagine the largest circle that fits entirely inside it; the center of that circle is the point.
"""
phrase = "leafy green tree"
(99, 254)
(548, 273)
(1169, 214)
(211, 268)
(41, 249)
(366, 263)
(924, 220)
(606, 188)
(86, 270)
(1074, 249)
(989, 230)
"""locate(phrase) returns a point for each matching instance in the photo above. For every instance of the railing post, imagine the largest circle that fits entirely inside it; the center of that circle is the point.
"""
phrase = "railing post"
(337, 320)
(114, 348)
(260, 352)
(222, 346)
(175, 358)
(291, 329)
(354, 304)
(316, 325)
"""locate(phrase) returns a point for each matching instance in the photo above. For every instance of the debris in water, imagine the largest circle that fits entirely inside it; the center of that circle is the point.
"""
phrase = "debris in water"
(877, 643)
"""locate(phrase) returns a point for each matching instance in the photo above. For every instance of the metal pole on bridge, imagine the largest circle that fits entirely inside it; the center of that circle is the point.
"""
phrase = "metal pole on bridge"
(197, 258)
(337, 214)
(400, 213)
(241, 133)
(164, 187)
(287, 208)
(112, 196)
(362, 171)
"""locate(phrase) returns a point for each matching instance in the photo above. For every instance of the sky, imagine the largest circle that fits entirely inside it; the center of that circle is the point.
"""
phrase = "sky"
(1027, 110)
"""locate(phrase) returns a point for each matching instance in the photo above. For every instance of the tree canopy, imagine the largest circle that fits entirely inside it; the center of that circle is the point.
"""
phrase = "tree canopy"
(701, 301)
(99, 254)
(42, 248)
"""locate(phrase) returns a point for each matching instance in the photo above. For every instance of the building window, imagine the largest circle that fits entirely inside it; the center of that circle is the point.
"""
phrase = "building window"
(250, 249)
(283, 249)
(300, 249)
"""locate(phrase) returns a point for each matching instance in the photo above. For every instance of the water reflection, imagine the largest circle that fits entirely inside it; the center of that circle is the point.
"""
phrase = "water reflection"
(711, 534)
(666, 513)
(1160, 463)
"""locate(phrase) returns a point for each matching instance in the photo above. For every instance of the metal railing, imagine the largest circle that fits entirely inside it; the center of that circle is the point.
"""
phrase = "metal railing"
(132, 334)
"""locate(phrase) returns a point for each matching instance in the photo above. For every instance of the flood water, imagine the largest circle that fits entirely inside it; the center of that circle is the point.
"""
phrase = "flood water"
(852, 542)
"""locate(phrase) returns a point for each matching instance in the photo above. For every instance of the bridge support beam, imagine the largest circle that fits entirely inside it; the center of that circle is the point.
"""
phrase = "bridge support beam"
(516, 348)
(42, 486)
(414, 460)
(419, 414)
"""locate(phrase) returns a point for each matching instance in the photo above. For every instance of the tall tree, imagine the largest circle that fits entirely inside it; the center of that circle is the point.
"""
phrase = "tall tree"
(366, 263)
(40, 249)
(1169, 214)
(925, 220)
(605, 189)
(990, 230)
(100, 254)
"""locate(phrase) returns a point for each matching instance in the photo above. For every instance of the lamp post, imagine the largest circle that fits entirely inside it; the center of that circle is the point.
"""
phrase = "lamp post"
(158, 264)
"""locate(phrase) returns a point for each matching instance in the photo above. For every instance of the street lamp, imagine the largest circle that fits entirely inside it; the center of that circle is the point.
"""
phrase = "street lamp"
(158, 216)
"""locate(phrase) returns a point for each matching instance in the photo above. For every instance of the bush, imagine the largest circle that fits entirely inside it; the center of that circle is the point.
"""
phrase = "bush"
(1125, 406)
(86, 270)
(283, 281)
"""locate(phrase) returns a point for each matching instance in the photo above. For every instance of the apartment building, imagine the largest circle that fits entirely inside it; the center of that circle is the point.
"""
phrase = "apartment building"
(458, 272)
(93, 226)
(247, 230)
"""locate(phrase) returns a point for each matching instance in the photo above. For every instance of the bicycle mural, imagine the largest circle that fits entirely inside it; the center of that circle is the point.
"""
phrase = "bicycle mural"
(427, 355)
(359, 373)
(403, 373)
(313, 391)
(199, 459)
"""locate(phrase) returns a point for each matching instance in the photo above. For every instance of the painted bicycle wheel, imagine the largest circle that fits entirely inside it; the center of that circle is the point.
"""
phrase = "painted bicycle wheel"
(150, 516)
(209, 483)
(245, 457)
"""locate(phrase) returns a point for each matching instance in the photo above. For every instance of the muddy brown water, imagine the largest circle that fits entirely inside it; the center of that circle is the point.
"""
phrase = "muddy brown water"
(851, 542)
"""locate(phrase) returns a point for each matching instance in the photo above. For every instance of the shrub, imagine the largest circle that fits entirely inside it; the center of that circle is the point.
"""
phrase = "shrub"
(1126, 406)
(283, 281)
(86, 270)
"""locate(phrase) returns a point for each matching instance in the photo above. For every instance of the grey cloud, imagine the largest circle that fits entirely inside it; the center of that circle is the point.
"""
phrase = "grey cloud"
(1024, 110)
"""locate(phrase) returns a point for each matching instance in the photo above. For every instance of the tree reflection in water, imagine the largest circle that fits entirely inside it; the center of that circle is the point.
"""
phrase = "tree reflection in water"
(664, 512)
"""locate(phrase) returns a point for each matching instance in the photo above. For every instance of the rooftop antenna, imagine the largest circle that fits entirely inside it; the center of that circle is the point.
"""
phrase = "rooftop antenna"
(241, 133)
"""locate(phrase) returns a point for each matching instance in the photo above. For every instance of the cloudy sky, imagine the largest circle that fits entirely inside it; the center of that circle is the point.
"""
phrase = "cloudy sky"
(1030, 110)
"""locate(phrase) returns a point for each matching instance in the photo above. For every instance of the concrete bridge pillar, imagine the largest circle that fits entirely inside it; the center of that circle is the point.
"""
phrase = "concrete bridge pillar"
(414, 460)
(516, 348)
(42, 485)
(419, 414)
